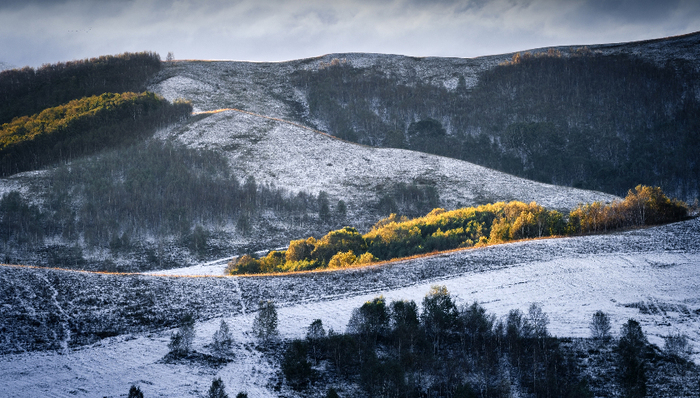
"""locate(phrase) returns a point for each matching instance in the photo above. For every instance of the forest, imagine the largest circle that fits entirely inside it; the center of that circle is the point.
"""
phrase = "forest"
(398, 237)
(582, 119)
(82, 127)
(28, 91)
(147, 190)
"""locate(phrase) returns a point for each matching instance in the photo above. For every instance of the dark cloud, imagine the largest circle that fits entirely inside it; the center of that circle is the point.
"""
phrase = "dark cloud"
(34, 31)
(627, 11)
(16, 4)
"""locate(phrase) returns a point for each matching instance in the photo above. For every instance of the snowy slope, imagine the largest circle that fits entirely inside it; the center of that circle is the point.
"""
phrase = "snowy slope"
(293, 157)
(650, 275)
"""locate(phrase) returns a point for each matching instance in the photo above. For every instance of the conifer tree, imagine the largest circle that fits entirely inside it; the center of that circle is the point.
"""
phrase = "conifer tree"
(632, 368)
(265, 322)
(135, 392)
(181, 341)
(217, 389)
(222, 339)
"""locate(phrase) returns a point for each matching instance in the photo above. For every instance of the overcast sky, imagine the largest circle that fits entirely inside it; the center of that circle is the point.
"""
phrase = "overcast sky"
(34, 32)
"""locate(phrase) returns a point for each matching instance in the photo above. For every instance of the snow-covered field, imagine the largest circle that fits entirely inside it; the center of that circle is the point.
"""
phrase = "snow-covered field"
(650, 275)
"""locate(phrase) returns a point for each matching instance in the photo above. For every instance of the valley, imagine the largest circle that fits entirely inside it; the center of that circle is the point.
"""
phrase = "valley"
(105, 252)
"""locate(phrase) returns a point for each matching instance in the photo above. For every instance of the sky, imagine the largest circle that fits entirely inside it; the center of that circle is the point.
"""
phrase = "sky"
(35, 32)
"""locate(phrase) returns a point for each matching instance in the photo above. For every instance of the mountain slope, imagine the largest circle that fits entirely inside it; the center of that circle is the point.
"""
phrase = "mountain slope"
(291, 156)
(603, 117)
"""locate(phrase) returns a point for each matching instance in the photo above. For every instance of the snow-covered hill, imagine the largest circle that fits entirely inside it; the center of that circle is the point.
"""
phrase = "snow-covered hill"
(650, 275)
(294, 157)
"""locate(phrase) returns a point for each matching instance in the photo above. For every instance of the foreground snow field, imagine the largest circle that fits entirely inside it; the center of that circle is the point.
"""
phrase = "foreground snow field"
(650, 275)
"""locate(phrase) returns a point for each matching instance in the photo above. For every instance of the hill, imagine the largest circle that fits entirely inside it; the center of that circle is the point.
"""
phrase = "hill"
(644, 274)
(268, 157)
(248, 183)
(28, 91)
(266, 180)
(603, 117)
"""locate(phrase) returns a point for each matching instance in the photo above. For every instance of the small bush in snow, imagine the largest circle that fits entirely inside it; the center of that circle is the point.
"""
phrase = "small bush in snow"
(217, 389)
(135, 392)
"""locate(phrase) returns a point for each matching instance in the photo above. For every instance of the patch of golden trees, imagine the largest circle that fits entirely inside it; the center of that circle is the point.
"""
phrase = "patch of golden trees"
(397, 237)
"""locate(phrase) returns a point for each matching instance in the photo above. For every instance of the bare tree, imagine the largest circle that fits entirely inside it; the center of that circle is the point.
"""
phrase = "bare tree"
(600, 326)
(677, 345)
(537, 320)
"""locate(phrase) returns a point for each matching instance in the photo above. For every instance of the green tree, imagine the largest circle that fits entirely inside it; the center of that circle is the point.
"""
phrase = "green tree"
(342, 260)
(217, 389)
(300, 249)
(342, 240)
(371, 320)
(265, 322)
(631, 347)
(135, 392)
(405, 325)
(439, 316)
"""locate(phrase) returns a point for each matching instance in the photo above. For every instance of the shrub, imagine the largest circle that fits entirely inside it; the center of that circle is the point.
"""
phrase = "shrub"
(135, 392)
(677, 345)
(342, 260)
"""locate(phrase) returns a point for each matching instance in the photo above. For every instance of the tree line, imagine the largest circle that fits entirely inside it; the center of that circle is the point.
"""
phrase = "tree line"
(83, 127)
(397, 237)
(28, 91)
(390, 349)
